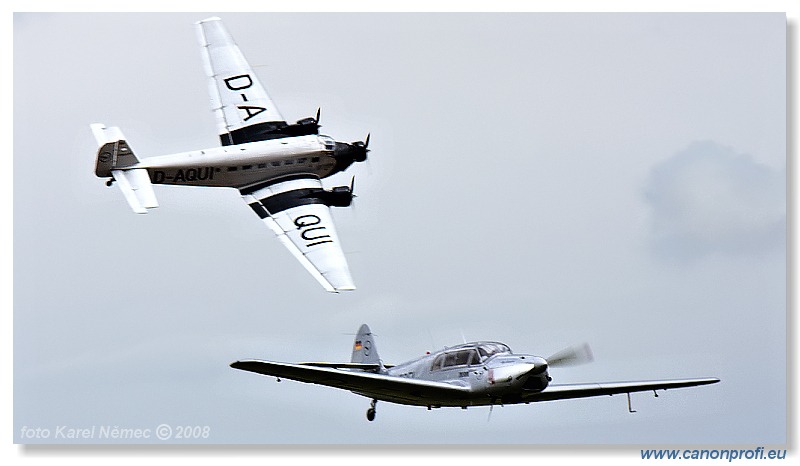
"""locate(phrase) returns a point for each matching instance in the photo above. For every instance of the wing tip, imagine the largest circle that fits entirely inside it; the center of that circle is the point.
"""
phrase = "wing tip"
(341, 288)
(246, 364)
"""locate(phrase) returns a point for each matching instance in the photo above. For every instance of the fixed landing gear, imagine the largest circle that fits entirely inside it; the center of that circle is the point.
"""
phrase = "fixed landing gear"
(371, 411)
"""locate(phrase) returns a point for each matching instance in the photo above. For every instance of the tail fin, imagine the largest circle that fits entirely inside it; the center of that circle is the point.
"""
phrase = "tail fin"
(364, 350)
(114, 157)
(114, 151)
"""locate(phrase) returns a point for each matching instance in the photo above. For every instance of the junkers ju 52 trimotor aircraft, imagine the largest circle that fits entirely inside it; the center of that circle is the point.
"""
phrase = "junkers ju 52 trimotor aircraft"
(473, 374)
(276, 166)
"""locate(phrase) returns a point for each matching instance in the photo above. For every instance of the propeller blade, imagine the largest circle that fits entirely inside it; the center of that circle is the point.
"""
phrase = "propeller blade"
(571, 356)
(318, 110)
(366, 141)
(352, 183)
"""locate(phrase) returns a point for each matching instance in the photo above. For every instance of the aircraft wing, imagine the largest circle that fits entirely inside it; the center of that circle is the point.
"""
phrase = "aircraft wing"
(303, 223)
(364, 383)
(243, 109)
(563, 392)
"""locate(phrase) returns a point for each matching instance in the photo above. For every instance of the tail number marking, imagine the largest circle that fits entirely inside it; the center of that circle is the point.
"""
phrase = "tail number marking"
(183, 175)
(311, 231)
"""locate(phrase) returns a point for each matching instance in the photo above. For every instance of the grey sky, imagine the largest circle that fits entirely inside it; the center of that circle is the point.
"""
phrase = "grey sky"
(537, 179)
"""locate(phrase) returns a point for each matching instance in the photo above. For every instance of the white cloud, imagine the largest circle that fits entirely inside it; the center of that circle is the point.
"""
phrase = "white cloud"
(709, 199)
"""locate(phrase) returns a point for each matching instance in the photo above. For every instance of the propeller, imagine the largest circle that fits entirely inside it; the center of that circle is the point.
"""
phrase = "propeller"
(316, 119)
(571, 356)
(364, 146)
(353, 197)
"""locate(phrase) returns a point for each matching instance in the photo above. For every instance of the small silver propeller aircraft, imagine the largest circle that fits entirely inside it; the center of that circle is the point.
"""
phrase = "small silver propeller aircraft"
(277, 167)
(483, 373)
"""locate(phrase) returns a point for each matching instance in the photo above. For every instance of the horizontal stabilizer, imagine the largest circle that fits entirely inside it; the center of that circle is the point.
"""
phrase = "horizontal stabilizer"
(135, 185)
(104, 135)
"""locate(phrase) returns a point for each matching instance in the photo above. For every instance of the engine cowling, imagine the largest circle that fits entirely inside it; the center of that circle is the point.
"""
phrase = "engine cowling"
(340, 196)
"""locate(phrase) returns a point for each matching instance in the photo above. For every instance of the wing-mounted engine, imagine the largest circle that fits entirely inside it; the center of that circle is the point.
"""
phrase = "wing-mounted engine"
(339, 196)
(304, 127)
(271, 130)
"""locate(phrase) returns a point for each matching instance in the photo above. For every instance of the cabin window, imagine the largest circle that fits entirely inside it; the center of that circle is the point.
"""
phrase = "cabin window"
(302, 160)
(247, 167)
(460, 358)
(232, 169)
(464, 357)
(275, 164)
(314, 159)
(262, 165)
(452, 359)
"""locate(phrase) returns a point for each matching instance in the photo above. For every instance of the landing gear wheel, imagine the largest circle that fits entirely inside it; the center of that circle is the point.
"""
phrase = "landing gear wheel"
(371, 411)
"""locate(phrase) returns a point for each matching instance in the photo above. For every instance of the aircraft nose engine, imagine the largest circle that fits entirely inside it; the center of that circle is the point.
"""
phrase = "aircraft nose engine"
(537, 378)
(539, 366)
(520, 372)
(353, 152)
(360, 150)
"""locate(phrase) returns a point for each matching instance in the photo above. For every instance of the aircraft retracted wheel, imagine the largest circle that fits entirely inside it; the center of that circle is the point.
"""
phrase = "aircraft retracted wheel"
(371, 411)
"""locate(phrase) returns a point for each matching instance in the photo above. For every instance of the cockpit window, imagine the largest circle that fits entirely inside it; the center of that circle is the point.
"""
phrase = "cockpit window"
(437, 363)
(465, 357)
(327, 142)
(456, 359)
(468, 356)
(488, 350)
